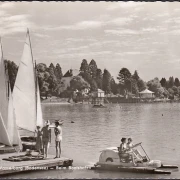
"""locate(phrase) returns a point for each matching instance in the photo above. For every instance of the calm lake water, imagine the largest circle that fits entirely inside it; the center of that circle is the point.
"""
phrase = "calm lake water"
(156, 125)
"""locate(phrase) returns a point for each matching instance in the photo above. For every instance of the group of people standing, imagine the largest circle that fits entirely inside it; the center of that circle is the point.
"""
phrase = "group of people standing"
(43, 138)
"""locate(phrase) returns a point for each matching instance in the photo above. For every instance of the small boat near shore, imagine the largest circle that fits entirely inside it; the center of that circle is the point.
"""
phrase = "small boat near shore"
(99, 106)
(110, 160)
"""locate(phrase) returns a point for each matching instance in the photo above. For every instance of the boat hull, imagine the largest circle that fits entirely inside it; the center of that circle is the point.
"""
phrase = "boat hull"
(119, 168)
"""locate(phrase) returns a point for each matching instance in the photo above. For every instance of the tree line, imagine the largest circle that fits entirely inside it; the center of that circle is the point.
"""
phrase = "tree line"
(92, 77)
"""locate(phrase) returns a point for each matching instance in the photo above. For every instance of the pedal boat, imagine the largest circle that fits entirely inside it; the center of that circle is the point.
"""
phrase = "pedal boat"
(110, 160)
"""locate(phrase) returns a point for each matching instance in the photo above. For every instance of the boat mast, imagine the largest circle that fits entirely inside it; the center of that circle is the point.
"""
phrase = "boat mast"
(34, 69)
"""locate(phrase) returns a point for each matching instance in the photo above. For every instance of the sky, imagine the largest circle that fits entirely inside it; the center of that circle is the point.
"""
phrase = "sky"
(142, 36)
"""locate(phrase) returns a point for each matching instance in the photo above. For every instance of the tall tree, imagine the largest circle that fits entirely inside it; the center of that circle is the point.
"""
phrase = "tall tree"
(176, 82)
(93, 69)
(99, 78)
(124, 78)
(58, 72)
(84, 66)
(85, 73)
(171, 82)
(134, 86)
(52, 80)
(141, 85)
(106, 81)
(163, 82)
(135, 75)
(114, 86)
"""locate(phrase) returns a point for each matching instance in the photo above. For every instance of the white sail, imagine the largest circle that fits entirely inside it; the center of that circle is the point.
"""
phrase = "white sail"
(4, 138)
(39, 109)
(9, 134)
(12, 128)
(3, 88)
(24, 93)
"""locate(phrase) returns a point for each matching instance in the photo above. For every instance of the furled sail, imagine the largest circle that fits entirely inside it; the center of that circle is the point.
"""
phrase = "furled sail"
(25, 91)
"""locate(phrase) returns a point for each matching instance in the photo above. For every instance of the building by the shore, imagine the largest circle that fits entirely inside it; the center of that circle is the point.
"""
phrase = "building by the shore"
(146, 94)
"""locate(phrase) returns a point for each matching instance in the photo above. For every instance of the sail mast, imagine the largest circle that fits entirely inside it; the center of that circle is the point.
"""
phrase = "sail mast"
(36, 87)
(34, 65)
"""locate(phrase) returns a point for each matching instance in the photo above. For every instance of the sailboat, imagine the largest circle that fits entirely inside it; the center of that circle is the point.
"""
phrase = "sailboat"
(26, 94)
(9, 134)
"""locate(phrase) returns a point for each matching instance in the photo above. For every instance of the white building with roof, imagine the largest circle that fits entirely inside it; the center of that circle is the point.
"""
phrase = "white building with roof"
(146, 94)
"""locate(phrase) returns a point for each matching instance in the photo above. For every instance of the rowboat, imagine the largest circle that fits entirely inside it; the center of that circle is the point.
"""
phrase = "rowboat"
(99, 106)
(111, 160)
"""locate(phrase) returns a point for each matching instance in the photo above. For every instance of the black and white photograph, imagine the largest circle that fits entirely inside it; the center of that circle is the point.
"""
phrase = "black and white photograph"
(89, 90)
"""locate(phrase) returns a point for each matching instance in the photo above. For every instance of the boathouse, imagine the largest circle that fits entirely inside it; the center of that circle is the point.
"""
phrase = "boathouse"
(98, 97)
(98, 93)
(146, 94)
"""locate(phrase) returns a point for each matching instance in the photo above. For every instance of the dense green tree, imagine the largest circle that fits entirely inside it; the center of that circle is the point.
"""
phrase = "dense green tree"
(93, 85)
(106, 81)
(135, 75)
(93, 69)
(99, 78)
(171, 82)
(179, 91)
(134, 86)
(114, 86)
(154, 85)
(141, 85)
(58, 72)
(52, 80)
(86, 73)
(41, 67)
(163, 82)
(84, 66)
(124, 75)
(78, 83)
(176, 82)
(171, 93)
(176, 90)
(124, 78)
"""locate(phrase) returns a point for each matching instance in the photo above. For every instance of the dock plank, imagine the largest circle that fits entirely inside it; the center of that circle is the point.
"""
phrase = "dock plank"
(8, 167)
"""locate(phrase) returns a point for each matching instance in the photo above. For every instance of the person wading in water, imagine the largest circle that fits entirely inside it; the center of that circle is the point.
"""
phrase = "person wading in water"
(58, 137)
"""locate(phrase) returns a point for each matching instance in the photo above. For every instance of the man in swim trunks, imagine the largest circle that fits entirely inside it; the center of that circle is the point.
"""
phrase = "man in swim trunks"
(58, 138)
(46, 138)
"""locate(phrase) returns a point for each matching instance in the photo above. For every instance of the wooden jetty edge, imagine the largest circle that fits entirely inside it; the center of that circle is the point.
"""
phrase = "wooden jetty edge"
(131, 169)
(10, 167)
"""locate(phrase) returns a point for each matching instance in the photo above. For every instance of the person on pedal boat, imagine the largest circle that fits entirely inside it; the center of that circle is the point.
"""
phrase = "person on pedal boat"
(134, 152)
(123, 151)
(129, 144)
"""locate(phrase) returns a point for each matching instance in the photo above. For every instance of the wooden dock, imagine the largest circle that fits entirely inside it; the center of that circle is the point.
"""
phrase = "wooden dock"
(9, 167)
